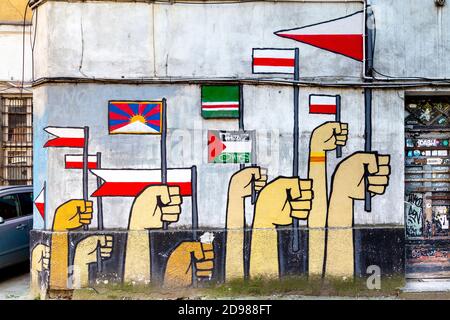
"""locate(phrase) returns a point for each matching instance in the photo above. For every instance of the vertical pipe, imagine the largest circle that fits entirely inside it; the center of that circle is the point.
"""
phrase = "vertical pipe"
(99, 199)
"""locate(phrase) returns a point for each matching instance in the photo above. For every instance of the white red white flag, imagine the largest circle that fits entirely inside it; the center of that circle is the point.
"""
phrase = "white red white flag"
(65, 137)
(75, 161)
(344, 35)
(274, 61)
(322, 104)
(131, 182)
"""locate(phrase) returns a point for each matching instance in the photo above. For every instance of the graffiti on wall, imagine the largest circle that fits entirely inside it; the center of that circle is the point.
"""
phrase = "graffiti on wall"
(414, 214)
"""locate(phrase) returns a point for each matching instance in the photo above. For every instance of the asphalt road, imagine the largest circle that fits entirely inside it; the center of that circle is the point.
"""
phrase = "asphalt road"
(15, 282)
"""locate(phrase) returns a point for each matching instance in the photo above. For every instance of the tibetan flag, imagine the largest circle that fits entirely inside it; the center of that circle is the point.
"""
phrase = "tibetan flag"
(274, 61)
(135, 117)
(131, 182)
(65, 137)
(220, 102)
(230, 146)
(75, 161)
(322, 104)
(39, 202)
(343, 35)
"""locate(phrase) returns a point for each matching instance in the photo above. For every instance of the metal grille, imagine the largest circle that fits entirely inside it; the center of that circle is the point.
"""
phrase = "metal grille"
(17, 141)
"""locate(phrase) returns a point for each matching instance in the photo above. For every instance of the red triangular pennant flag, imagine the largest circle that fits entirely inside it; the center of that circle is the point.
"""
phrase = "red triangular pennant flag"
(343, 35)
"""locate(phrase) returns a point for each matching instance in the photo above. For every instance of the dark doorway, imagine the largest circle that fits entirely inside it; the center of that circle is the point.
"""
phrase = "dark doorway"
(427, 189)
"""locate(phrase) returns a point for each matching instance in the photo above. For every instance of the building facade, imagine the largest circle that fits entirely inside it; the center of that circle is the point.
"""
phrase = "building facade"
(15, 94)
(182, 143)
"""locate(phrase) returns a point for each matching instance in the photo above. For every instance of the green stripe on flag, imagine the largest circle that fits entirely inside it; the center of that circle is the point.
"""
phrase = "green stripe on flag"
(220, 93)
(220, 114)
(233, 157)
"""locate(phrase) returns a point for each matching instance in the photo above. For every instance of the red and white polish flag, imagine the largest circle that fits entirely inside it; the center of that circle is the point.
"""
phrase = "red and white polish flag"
(274, 61)
(65, 137)
(343, 35)
(131, 182)
(39, 202)
(322, 104)
(75, 161)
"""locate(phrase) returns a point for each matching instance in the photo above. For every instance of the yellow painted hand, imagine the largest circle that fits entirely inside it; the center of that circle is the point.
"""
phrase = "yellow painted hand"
(281, 200)
(86, 251)
(179, 266)
(241, 181)
(40, 258)
(155, 205)
(72, 215)
(328, 136)
(348, 179)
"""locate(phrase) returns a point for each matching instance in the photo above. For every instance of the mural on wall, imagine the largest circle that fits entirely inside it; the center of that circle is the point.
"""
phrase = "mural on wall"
(220, 102)
(343, 35)
(330, 218)
(135, 117)
(147, 251)
(39, 202)
(231, 146)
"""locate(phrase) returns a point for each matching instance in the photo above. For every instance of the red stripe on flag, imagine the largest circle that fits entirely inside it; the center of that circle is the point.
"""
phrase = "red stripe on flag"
(350, 45)
(322, 108)
(65, 142)
(41, 209)
(79, 165)
(132, 189)
(274, 62)
(220, 106)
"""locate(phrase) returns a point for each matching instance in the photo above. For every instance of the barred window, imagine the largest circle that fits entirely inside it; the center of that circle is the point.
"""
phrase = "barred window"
(17, 141)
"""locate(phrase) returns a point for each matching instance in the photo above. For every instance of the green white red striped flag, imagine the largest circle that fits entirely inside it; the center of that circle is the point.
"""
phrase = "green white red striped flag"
(220, 102)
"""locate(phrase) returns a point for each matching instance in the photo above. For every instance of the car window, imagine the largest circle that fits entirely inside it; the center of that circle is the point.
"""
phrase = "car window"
(9, 207)
(26, 203)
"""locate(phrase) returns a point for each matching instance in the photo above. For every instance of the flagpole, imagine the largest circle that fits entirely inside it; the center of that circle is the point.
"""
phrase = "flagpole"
(45, 204)
(296, 237)
(99, 213)
(338, 119)
(163, 149)
(99, 199)
(242, 128)
(194, 202)
(85, 168)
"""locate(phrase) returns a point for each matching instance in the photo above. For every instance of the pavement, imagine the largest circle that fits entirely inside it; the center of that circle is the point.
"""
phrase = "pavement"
(15, 282)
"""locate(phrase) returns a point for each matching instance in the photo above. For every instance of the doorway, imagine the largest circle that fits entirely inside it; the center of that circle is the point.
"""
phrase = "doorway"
(427, 186)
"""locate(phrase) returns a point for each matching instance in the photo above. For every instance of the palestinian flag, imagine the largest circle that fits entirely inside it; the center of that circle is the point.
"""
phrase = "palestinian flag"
(220, 102)
(229, 146)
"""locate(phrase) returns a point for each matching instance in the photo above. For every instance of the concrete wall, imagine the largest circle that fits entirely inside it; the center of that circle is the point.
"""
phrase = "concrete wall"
(123, 41)
(11, 57)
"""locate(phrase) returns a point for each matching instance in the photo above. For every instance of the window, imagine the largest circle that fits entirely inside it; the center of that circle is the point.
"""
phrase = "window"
(9, 207)
(26, 203)
(17, 141)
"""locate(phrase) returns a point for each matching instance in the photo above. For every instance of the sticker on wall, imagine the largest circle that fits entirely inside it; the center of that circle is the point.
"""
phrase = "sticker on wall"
(135, 117)
(274, 61)
(75, 161)
(220, 102)
(342, 36)
(131, 182)
(230, 146)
